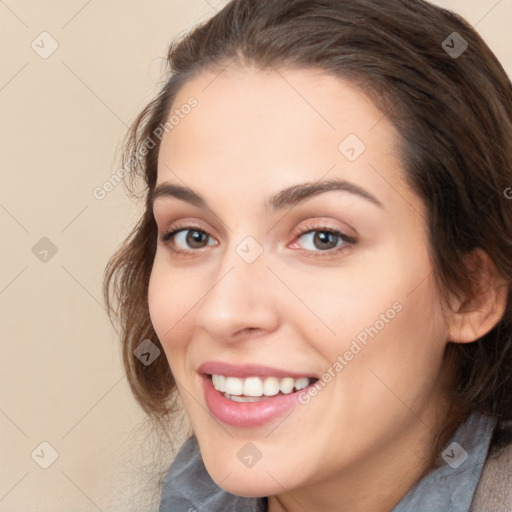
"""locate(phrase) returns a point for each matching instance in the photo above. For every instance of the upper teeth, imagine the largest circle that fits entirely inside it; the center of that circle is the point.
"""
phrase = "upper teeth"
(254, 386)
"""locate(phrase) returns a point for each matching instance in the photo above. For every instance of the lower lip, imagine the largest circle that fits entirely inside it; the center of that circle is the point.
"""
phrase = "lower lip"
(247, 414)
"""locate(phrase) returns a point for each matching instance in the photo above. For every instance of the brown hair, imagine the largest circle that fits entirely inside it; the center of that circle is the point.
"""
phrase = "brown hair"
(454, 115)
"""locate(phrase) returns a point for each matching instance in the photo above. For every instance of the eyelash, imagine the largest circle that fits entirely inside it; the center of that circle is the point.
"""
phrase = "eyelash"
(349, 241)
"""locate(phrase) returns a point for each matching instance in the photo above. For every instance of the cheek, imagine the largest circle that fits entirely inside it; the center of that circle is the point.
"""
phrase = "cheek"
(170, 300)
(388, 317)
(349, 306)
(396, 362)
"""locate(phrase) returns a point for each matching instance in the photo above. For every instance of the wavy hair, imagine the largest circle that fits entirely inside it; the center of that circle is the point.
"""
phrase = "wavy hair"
(453, 114)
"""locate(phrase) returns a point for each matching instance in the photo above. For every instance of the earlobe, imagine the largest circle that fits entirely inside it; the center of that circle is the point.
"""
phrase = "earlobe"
(472, 318)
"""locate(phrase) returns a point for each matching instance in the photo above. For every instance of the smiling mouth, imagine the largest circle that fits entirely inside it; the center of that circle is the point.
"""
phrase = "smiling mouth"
(256, 389)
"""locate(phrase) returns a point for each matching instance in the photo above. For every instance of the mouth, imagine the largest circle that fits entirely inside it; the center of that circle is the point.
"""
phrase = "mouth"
(256, 389)
(251, 396)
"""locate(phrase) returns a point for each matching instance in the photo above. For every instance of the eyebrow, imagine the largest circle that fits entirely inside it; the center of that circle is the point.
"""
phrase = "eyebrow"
(287, 197)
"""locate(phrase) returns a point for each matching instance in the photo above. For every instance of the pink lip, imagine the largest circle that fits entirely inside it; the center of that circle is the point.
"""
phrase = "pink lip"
(247, 414)
(248, 370)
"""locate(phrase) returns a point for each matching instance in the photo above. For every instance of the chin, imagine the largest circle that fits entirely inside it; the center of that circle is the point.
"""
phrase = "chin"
(251, 487)
(249, 482)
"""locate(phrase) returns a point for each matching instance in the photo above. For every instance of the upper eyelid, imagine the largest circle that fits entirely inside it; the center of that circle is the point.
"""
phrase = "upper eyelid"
(300, 232)
(348, 239)
(164, 200)
(161, 213)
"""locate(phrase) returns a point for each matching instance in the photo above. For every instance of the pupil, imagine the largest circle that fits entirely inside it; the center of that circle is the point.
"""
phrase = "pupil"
(323, 237)
(195, 238)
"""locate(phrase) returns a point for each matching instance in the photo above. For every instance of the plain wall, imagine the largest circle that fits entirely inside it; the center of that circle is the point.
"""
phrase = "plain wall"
(62, 119)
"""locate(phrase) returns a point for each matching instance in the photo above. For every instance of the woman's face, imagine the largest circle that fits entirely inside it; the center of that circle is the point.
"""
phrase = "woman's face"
(301, 253)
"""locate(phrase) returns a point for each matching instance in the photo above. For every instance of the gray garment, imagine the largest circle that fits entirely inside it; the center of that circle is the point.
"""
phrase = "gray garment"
(452, 485)
(449, 488)
(189, 488)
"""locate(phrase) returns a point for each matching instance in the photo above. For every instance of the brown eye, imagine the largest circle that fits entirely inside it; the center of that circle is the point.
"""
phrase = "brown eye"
(324, 240)
(196, 239)
(187, 239)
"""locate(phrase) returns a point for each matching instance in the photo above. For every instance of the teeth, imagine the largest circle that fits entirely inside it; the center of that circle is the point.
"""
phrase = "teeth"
(286, 385)
(219, 382)
(301, 383)
(253, 387)
(271, 386)
(237, 398)
(234, 386)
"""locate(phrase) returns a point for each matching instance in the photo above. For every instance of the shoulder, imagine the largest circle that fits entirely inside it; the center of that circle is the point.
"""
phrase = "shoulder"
(188, 487)
(494, 491)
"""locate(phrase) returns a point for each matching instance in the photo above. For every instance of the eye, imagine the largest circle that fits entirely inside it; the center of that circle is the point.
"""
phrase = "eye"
(323, 239)
(184, 240)
(188, 239)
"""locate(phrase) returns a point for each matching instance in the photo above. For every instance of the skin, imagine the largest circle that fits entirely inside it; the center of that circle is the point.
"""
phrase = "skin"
(367, 437)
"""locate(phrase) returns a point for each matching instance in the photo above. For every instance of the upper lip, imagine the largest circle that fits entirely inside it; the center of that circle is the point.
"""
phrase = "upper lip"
(243, 371)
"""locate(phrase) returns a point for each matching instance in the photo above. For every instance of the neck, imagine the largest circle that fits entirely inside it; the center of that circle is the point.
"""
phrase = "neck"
(380, 481)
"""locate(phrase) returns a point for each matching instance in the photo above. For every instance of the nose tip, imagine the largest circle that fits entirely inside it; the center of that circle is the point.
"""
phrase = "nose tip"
(238, 304)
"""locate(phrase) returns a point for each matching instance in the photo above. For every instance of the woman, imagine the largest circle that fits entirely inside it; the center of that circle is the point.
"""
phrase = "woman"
(325, 260)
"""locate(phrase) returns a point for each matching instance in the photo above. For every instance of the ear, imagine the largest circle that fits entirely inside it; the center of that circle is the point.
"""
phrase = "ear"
(473, 317)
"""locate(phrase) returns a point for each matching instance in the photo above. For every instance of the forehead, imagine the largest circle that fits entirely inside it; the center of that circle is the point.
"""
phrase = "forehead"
(276, 107)
(261, 130)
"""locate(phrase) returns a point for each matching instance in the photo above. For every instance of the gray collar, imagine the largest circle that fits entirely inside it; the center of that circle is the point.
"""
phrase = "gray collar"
(451, 486)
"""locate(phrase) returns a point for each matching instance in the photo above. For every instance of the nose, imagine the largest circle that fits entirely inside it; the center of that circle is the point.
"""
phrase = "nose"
(239, 301)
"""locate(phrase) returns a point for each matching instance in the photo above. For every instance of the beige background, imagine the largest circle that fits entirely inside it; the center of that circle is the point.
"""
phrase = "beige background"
(61, 120)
